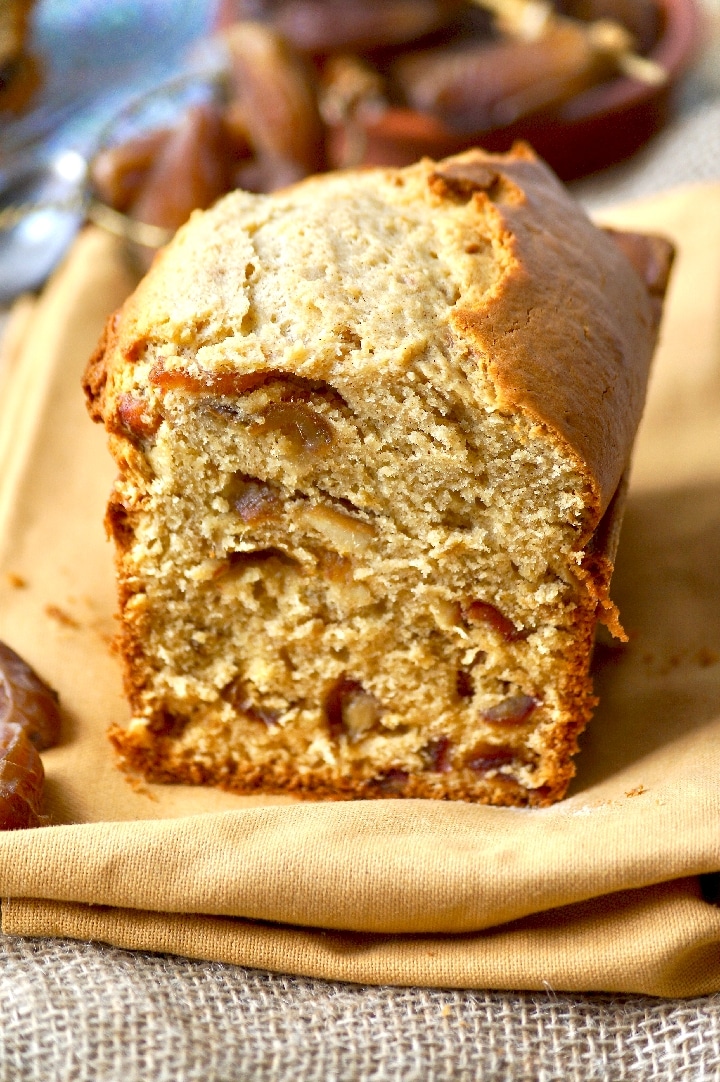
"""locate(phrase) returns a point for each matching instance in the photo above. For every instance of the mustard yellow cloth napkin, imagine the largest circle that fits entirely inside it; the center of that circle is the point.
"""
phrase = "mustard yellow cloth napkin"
(600, 892)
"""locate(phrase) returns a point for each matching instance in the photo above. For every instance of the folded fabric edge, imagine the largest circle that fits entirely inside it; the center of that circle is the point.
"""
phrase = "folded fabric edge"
(662, 941)
(365, 868)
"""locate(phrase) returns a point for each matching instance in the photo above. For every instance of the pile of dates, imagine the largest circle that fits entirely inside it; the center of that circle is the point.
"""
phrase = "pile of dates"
(307, 80)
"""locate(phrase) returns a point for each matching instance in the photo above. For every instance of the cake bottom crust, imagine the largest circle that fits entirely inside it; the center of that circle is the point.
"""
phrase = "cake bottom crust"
(158, 763)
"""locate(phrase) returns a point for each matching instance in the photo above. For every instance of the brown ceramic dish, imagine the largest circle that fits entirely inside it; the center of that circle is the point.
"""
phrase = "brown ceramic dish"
(597, 128)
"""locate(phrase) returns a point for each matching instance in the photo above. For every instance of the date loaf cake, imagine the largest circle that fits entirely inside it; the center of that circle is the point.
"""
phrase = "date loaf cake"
(371, 434)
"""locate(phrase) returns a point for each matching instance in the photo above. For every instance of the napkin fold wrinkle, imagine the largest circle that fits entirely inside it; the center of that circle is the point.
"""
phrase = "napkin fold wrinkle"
(597, 893)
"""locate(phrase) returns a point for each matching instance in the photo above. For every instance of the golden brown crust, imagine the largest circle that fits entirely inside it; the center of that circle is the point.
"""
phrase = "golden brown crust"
(95, 377)
(567, 337)
(571, 332)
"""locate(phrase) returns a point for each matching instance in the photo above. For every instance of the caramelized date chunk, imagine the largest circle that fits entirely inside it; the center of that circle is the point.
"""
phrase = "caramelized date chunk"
(239, 694)
(220, 383)
(464, 684)
(133, 418)
(163, 723)
(289, 416)
(27, 701)
(118, 521)
(351, 710)
(252, 499)
(21, 779)
(392, 781)
(305, 430)
(334, 567)
(236, 563)
(512, 711)
(436, 755)
(488, 757)
(461, 182)
(482, 612)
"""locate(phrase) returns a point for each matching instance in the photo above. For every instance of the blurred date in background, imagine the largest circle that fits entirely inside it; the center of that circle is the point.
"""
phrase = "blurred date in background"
(302, 86)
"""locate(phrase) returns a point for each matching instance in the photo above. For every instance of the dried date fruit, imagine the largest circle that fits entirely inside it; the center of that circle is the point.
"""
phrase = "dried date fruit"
(485, 86)
(464, 684)
(306, 431)
(21, 779)
(436, 755)
(392, 782)
(118, 521)
(350, 87)
(238, 693)
(253, 500)
(190, 172)
(334, 567)
(351, 710)
(118, 173)
(324, 26)
(352, 94)
(236, 133)
(27, 701)
(482, 612)
(237, 562)
(652, 258)
(220, 383)
(134, 419)
(274, 97)
(267, 174)
(514, 710)
(488, 757)
(462, 181)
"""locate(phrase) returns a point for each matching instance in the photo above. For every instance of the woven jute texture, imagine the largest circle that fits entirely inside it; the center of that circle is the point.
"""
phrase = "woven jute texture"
(78, 1012)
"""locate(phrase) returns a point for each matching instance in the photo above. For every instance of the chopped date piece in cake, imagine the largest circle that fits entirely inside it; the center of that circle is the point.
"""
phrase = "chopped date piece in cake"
(392, 782)
(135, 418)
(239, 694)
(220, 383)
(436, 755)
(253, 500)
(515, 710)
(488, 757)
(350, 710)
(464, 684)
(306, 431)
(482, 612)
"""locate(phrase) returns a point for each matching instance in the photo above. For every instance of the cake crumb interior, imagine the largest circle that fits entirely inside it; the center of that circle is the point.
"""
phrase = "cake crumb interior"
(355, 565)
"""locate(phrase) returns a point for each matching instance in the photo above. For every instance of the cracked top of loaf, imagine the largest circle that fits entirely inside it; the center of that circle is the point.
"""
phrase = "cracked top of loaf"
(489, 251)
